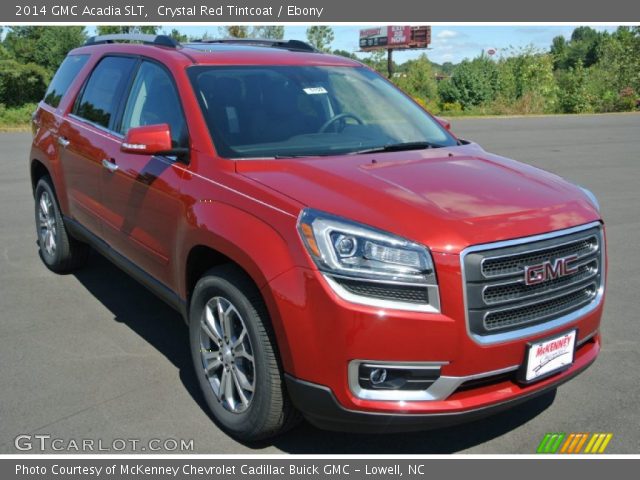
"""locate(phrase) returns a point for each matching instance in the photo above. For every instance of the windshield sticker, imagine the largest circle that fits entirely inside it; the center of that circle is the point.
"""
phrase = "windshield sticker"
(315, 91)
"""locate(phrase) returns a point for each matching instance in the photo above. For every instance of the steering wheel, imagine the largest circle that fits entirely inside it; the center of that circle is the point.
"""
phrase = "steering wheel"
(341, 116)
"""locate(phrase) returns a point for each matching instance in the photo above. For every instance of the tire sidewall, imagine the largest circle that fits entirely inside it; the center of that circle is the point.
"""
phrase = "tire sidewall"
(244, 423)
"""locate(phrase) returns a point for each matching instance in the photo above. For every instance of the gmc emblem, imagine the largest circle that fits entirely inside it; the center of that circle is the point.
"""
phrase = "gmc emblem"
(548, 270)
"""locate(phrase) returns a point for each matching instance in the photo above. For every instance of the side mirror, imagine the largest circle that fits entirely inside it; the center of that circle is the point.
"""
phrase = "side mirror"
(445, 123)
(150, 140)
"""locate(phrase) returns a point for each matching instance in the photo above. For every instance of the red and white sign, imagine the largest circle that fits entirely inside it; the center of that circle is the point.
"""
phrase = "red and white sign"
(398, 35)
(550, 355)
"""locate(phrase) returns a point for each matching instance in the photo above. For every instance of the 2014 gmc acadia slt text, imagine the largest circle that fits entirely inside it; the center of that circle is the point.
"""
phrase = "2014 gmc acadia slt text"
(336, 251)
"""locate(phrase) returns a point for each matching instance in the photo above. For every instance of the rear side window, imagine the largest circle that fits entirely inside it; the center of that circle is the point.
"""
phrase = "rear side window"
(101, 96)
(67, 72)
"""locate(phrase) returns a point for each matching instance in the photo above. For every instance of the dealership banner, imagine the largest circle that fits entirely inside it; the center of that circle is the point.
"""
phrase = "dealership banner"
(295, 468)
(327, 11)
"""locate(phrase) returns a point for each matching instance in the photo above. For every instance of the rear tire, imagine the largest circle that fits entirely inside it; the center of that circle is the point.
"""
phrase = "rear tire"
(235, 356)
(60, 252)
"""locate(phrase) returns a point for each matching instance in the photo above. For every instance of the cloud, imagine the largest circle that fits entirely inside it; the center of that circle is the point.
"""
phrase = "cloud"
(447, 34)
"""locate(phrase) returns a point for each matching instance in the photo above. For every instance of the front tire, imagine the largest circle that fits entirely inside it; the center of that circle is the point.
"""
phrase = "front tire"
(235, 356)
(60, 252)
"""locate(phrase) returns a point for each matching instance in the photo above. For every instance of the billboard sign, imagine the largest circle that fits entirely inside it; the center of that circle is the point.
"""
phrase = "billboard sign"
(396, 37)
(373, 37)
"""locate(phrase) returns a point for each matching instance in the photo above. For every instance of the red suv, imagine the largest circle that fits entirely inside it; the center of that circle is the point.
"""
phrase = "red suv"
(337, 253)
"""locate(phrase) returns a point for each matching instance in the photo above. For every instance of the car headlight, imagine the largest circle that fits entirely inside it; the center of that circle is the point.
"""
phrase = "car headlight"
(367, 265)
(591, 197)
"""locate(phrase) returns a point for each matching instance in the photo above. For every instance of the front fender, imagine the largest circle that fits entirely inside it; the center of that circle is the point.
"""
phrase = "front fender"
(264, 250)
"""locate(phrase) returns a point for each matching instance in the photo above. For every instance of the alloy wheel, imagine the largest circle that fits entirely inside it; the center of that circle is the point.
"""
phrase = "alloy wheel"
(227, 355)
(47, 223)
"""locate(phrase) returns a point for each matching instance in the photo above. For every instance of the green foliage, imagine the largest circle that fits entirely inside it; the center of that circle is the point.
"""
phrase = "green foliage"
(321, 37)
(275, 32)
(418, 80)
(344, 53)
(377, 60)
(472, 83)
(16, 117)
(526, 76)
(590, 71)
(235, 31)
(22, 83)
(115, 29)
(574, 97)
(177, 36)
(45, 46)
(451, 108)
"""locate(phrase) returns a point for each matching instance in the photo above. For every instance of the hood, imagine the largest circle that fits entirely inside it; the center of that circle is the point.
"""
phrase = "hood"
(446, 198)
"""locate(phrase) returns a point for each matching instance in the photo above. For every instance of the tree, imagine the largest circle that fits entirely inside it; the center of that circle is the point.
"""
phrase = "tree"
(573, 91)
(472, 83)
(559, 49)
(447, 68)
(419, 79)
(44, 46)
(321, 37)
(275, 32)
(177, 36)
(235, 31)
(377, 60)
(344, 53)
(115, 29)
(22, 83)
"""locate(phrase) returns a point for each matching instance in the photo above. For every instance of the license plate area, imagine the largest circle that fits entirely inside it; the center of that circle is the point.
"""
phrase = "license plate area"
(548, 357)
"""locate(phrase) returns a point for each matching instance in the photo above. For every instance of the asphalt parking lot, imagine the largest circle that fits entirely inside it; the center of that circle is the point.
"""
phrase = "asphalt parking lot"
(95, 356)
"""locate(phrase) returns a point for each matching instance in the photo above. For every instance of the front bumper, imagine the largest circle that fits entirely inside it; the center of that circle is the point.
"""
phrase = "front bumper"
(319, 335)
(321, 408)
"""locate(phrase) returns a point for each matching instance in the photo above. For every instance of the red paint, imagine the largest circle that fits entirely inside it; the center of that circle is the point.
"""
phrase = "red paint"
(147, 140)
(154, 212)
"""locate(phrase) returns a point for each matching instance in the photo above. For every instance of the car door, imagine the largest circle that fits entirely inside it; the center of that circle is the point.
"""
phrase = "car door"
(86, 138)
(142, 197)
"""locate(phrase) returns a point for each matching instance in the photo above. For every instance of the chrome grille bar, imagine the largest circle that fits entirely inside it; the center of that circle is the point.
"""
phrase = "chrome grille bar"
(501, 305)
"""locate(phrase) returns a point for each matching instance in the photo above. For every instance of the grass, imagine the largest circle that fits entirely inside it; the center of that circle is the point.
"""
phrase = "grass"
(16, 118)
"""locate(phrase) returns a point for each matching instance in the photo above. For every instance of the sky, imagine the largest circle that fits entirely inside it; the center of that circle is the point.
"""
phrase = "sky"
(449, 43)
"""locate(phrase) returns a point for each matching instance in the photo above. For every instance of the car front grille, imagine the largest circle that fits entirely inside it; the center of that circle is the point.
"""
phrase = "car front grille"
(498, 298)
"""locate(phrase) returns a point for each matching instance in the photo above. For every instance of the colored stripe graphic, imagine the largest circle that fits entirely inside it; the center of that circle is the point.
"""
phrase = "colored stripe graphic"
(598, 443)
(573, 443)
(550, 443)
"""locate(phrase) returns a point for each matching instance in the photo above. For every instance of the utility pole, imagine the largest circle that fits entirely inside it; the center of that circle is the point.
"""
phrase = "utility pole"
(390, 62)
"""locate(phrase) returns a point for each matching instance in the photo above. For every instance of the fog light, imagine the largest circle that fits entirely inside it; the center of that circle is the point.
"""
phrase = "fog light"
(378, 376)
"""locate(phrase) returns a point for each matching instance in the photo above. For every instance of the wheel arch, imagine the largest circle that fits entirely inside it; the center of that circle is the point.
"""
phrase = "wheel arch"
(228, 235)
(38, 170)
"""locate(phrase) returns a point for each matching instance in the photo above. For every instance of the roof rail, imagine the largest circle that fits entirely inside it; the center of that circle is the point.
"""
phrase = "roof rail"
(297, 45)
(160, 40)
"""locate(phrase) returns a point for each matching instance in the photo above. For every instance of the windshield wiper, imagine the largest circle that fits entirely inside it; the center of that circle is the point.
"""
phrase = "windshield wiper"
(398, 147)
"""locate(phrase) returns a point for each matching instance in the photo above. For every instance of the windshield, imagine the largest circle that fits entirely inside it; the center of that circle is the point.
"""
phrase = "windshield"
(289, 111)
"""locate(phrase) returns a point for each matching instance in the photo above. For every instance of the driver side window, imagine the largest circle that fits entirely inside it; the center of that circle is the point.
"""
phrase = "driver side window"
(153, 100)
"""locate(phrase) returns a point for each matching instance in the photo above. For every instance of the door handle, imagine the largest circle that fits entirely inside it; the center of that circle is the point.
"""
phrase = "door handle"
(63, 142)
(109, 165)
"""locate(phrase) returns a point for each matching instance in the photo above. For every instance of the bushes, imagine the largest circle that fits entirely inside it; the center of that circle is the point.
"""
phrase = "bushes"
(418, 80)
(22, 83)
(16, 117)
(592, 72)
(472, 83)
